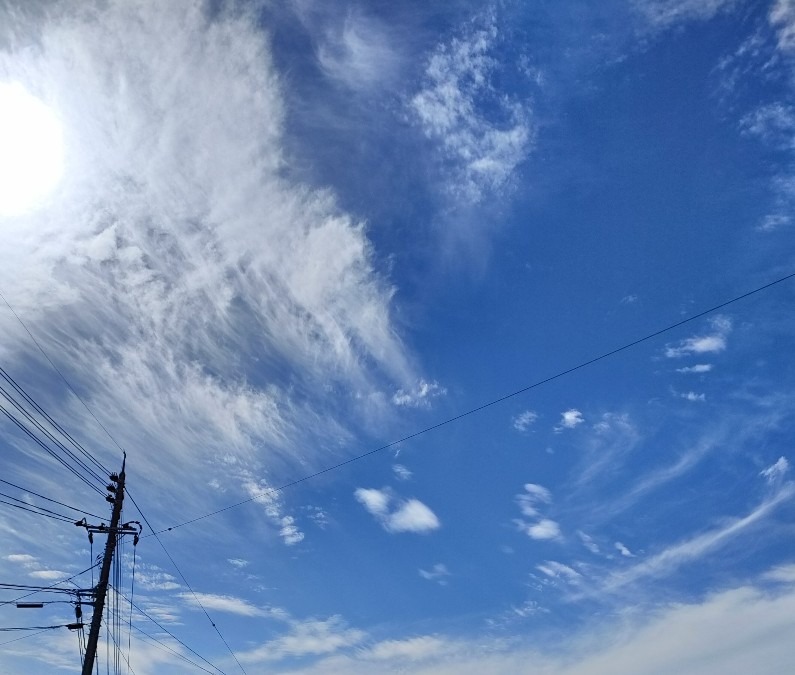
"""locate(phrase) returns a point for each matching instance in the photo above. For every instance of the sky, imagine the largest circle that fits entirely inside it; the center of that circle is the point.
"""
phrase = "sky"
(250, 242)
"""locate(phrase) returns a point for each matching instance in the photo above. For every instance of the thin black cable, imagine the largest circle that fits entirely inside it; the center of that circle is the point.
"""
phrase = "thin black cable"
(34, 506)
(494, 402)
(190, 588)
(45, 414)
(15, 628)
(118, 651)
(173, 651)
(132, 595)
(63, 519)
(79, 398)
(54, 501)
(49, 451)
(10, 398)
(51, 588)
(169, 633)
(24, 637)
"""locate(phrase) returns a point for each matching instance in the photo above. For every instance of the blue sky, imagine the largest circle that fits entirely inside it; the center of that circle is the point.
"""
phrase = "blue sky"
(261, 239)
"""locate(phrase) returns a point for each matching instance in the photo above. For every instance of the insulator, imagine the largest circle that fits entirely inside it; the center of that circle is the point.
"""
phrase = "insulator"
(110, 498)
(110, 487)
(114, 477)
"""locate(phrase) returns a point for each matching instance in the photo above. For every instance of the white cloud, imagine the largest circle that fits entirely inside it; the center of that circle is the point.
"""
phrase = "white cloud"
(776, 471)
(543, 529)
(558, 570)
(623, 550)
(710, 343)
(237, 562)
(531, 498)
(49, 575)
(412, 516)
(401, 472)
(439, 573)
(773, 123)
(306, 638)
(569, 419)
(411, 649)
(359, 52)
(782, 18)
(408, 515)
(189, 283)
(588, 542)
(666, 13)
(24, 558)
(530, 503)
(692, 549)
(693, 396)
(272, 504)
(152, 578)
(525, 420)
(483, 134)
(698, 368)
(783, 574)
(375, 501)
(420, 396)
(222, 603)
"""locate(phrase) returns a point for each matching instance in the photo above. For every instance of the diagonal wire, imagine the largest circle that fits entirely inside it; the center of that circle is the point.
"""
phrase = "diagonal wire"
(168, 632)
(173, 651)
(63, 519)
(49, 450)
(491, 403)
(24, 637)
(33, 506)
(50, 588)
(190, 588)
(4, 374)
(10, 398)
(54, 501)
(63, 377)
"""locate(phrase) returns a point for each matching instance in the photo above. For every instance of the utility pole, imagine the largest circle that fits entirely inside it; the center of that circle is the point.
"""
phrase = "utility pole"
(116, 497)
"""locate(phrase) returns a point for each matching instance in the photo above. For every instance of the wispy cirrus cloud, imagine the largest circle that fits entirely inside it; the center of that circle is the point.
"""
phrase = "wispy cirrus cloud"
(311, 637)
(694, 548)
(482, 134)
(437, 573)
(195, 294)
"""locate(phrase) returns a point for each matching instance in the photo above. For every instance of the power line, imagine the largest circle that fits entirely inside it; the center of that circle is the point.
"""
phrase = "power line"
(54, 501)
(168, 632)
(491, 403)
(163, 645)
(10, 398)
(40, 589)
(190, 588)
(24, 637)
(63, 377)
(64, 519)
(63, 625)
(48, 450)
(33, 506)
(4, 374)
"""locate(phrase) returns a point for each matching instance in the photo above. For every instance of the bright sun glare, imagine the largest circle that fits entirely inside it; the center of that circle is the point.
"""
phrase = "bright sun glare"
(31, 150)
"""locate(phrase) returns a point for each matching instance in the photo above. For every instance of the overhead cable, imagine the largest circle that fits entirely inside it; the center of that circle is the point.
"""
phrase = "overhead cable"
(54, 501)
(489, 404)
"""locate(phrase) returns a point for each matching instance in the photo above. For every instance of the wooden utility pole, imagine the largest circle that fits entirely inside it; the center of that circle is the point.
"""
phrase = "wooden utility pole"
(116, 497)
